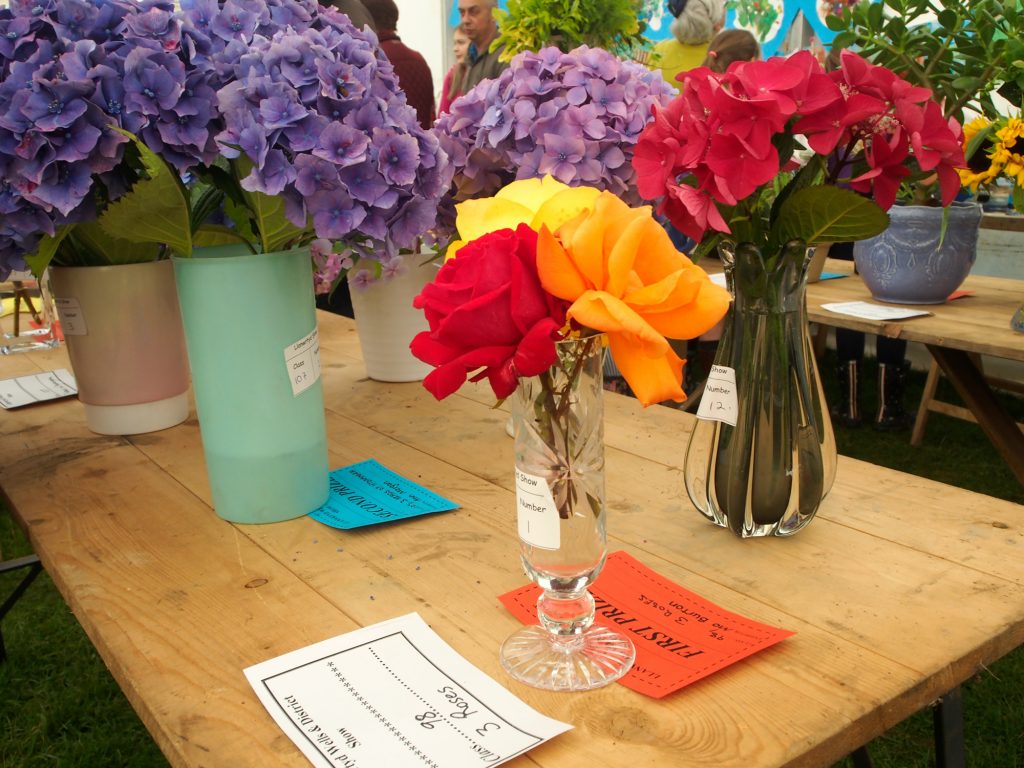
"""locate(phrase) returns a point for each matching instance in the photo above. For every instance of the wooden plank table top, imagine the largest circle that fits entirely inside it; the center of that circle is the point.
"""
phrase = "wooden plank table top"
(978, 323)
(900, 590)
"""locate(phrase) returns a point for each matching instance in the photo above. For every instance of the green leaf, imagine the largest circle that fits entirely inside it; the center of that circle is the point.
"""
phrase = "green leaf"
(272, 229)
(40, 260)
(155, 210)
(875, 15)
(275, 231)
(1018, 198)
(978, 141)
(809, 175)
(106, 249)
(215, 234)
(948, 19)
(205, 202)
(828, 215)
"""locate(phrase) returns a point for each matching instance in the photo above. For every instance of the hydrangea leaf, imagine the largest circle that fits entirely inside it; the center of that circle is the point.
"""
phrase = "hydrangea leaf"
(272, 226)
(40, 260)
(103, 248)
(828, 215)
(216, 234)
(155, 210)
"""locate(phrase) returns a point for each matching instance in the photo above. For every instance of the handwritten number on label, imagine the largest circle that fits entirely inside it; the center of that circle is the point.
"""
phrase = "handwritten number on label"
(482, 731)
(428, 719)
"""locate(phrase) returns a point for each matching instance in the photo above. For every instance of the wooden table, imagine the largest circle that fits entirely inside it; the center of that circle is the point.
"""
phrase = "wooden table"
(978, 324)
(899, 591)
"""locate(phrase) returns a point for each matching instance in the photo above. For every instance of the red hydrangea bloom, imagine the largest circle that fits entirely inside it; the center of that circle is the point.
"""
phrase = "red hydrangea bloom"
(729, 135)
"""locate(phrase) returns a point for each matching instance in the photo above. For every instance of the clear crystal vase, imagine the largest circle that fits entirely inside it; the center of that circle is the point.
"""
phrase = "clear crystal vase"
(559, 449)
(766, 474)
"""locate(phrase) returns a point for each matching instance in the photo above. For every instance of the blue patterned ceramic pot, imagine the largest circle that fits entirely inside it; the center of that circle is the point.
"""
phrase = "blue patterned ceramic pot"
(906, 265)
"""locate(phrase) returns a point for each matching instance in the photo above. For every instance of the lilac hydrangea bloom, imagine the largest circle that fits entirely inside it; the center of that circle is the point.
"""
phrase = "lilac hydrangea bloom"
(574, 115)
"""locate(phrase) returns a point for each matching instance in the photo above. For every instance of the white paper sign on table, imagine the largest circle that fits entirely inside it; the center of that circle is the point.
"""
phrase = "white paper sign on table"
(395, 694)
(870, 311)
(36, 388)
(718, 401)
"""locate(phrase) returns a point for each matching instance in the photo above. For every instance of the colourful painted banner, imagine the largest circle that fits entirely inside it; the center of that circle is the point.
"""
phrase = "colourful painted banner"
(771, 21)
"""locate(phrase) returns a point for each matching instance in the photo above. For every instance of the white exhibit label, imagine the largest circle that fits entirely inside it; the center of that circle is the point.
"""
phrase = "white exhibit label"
(536, 512)
(869, 311)
(718, 401)
(303, 362)
(72, 321)
(36, 388)
(395, 694)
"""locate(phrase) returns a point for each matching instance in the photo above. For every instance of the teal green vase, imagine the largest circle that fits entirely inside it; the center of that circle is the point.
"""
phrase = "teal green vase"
(250, 328)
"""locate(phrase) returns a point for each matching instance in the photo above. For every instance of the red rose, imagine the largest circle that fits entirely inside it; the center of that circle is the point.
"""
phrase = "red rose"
(486, 309)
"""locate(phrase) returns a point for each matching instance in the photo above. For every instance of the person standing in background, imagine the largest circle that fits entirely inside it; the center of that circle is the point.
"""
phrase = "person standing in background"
(411, 68)
(476, 18)
(355, 11)
(695, 23)
(452, 87)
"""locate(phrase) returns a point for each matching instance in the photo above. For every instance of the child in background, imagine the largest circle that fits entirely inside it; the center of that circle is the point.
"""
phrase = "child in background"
(731, 45)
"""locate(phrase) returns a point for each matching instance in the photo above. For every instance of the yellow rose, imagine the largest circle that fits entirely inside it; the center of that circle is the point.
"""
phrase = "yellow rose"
(534, 202)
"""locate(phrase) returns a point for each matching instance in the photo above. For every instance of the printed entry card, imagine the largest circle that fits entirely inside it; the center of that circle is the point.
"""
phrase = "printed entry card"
(679, 636)
(368, 493)
(395, 694)
(37, 388)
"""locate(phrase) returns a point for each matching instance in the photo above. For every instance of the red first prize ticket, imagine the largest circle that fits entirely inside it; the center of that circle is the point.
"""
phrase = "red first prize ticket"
(679, 636)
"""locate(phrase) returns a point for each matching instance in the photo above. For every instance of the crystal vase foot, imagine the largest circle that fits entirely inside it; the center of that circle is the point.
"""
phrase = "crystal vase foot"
(579, 660)
(559, 449)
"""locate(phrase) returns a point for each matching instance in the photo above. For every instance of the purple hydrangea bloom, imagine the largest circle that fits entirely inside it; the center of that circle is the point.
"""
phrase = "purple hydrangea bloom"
(350, 155)
(574, 115)
(59, 63)
(307, 100)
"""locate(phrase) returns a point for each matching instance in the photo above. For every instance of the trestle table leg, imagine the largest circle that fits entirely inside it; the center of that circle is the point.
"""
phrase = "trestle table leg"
(31, 562)
(949, 731)
(861, 758)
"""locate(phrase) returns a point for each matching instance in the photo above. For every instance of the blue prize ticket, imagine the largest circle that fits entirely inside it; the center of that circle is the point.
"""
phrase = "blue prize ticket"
(368, 493)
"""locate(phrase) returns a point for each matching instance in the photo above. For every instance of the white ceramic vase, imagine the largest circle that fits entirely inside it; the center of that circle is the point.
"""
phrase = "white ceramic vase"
(387, 322)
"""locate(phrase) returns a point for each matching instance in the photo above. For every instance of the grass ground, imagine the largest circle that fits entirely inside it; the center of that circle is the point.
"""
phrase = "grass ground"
(59, 707)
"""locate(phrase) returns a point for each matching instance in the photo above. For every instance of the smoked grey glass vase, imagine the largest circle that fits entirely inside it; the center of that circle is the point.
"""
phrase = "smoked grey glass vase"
(762, 460)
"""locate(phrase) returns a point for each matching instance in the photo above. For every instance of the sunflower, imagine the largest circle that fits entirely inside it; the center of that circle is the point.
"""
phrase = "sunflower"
(1009, 151)
(983, 168)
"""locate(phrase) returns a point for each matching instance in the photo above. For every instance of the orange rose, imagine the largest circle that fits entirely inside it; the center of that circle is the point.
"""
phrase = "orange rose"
(624, 277)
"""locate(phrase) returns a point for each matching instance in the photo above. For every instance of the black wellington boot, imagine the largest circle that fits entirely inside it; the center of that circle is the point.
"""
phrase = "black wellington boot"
(847, 410)
(892, 381)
